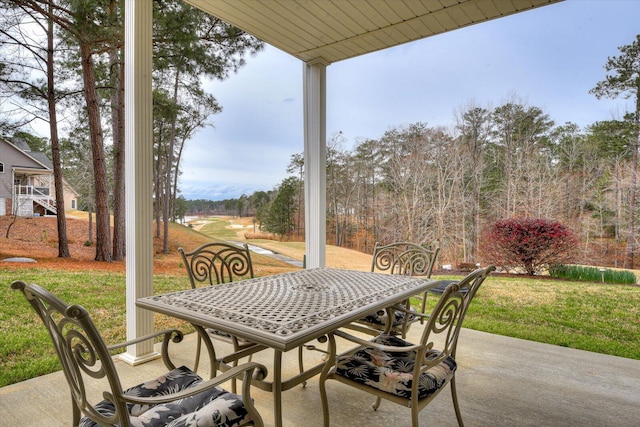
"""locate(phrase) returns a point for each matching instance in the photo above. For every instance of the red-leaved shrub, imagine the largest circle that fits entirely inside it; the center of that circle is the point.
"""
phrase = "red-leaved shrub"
(532, 244)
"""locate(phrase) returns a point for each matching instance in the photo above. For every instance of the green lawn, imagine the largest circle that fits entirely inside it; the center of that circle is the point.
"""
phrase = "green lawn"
(218, 228)
(25, 349)
(594, 317)
(587, 316)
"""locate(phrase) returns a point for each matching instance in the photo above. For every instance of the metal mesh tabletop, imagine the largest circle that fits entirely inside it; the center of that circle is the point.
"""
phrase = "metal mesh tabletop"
(285, 310)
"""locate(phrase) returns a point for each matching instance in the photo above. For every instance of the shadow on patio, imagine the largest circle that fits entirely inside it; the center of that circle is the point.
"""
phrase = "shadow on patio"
(501, 382)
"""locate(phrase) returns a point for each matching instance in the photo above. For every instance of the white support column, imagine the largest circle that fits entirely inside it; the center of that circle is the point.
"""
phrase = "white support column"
(315, 160)
(139, 175)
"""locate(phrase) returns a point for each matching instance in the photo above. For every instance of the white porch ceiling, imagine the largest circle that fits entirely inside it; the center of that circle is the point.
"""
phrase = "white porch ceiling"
(332, 30)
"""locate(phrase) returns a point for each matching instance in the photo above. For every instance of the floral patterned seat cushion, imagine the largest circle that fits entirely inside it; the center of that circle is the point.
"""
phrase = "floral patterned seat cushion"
(393, 372)
(380, 317)
(215, 407)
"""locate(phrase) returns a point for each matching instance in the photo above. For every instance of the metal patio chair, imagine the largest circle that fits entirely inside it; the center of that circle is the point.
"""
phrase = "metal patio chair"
(399, 258)
(177, 398)
(212, 264)
(409, 374)
(215, 263)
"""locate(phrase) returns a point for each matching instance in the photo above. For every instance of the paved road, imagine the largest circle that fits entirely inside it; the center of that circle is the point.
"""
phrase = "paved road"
(263, 251)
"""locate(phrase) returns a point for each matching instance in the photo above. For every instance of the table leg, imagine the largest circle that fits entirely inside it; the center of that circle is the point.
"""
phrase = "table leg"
(277, 388)
(213, 360)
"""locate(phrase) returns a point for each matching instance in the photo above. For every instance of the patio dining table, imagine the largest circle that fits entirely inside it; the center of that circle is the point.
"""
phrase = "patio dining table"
(284, 311)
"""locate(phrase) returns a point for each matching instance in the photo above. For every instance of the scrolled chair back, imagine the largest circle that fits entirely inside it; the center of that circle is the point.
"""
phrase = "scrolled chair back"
(215, 263)
(400, 371)
(404, 258)
(79, 347)
(448, 314)
(176, 398)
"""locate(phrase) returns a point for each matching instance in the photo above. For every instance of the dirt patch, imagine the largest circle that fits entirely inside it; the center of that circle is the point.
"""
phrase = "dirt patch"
(37, 238)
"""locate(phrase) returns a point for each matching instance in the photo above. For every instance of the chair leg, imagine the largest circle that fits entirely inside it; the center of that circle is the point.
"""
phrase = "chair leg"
(236, 348)
(75, 412)
(234, 382)
(454, 396)
(414, 415)
(301, 363)
(325, 402)
(197, 362)
(376, 405)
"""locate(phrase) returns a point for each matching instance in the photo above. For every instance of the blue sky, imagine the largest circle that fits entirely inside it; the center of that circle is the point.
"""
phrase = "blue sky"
(549, 58)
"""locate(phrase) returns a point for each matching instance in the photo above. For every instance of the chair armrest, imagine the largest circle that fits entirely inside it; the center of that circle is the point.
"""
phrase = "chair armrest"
(411, 312)
(246, 370)
(173, 335)
(167, 336)
(369, 344)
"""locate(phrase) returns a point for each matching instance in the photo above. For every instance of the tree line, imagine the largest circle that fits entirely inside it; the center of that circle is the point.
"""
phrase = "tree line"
(62, 62)
(445, 186)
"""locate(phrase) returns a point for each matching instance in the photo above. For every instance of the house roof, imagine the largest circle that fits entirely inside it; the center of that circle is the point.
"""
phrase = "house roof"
(42, 158)
(333, 30)
(21, 146)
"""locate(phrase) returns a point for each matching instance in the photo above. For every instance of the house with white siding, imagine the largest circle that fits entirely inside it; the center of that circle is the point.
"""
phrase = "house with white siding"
(26, 182)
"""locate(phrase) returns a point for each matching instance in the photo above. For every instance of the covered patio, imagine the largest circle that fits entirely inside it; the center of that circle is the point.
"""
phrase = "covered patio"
(501, 382)
(318, 33)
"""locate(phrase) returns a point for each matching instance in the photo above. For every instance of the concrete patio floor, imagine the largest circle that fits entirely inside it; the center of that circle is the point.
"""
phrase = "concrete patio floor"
(501, 382)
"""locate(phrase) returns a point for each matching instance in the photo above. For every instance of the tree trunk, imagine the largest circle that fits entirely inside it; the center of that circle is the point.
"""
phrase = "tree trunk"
(157, 205)
(63, 243)
(167, 186)
(14, 218)
(117, 123)
(631, 237)
(103, 235)
(90, 229)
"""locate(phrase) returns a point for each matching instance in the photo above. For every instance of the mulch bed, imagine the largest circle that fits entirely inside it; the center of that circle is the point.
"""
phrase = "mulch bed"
(37, 238)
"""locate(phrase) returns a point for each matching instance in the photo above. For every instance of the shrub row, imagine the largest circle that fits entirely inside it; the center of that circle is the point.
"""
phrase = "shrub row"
(592, 274)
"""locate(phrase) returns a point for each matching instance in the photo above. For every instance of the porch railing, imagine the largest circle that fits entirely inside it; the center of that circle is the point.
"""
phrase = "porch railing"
(26, 195)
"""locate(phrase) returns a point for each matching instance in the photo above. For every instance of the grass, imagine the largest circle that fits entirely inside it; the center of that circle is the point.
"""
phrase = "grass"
(590, 316)
(25, 349)
(219, 228)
